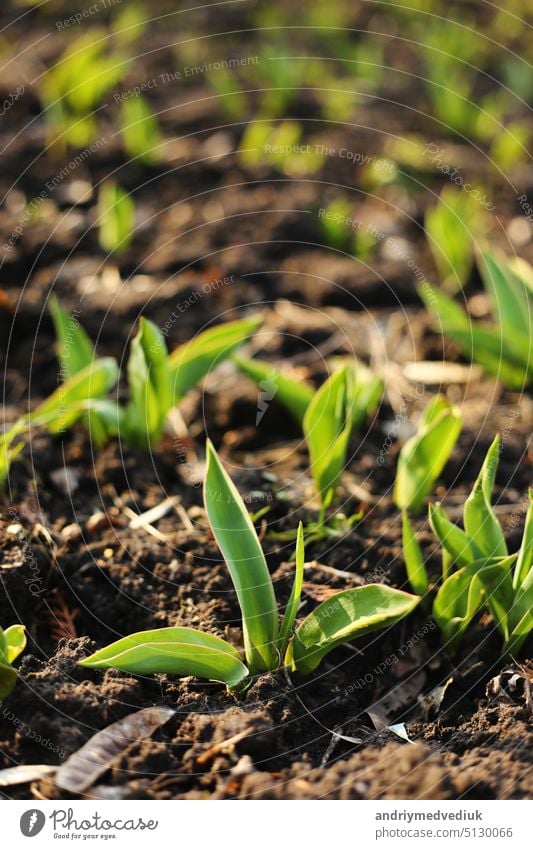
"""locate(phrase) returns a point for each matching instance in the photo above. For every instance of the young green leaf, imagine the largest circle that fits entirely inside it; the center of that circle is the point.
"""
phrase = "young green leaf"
(240, 547)
(156, 382)
(343, 617)
(414, 561)
(327, 426)
(192, 361)
(116, 215)
(15, 642)
(446, 563)
(176, 651)
(154, 346)
(449, 227)
(424, 456)
(524, 563)
(230, 97)
(335, 224)
(72, 89)
(3, 645)
(12, 643)
(446, 311)
(507, 358)
(481, 525)
(65, 405)
(75, 352)
(144, 415)
(111, 419)
(522, 269)
(9, 449)
(8, 679)
(75, 349)
(521, 613)
(296, 592)
(495, 574)
(368, 392)
(454, 540)
(295, 395)
(503, 353)
(433, 410)
(149, 380)
(510, 303)
(140, 131)
(520, 616)
(73, 400)
(520, 632)
(456, 603)
(487, 574)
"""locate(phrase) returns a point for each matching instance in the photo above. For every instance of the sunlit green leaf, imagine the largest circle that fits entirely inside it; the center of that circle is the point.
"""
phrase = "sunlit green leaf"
(368, 392)
(424, 456)
(116, 216)
(296, 592)
(510, 147)
(520, 632)
(336, 223)
(481, 525)
(195, 359)
(12, 643)
(487, 574)
(75, 349)
(327, 426)
(74, 87)
(503, 353)
(450, 226)
(461, 549)
(176, 651)
(444, 308)
(496, 577)
(456, 604)
(254, 138)
(149, 381)
(230, 98)
(84, 73)
(414, 561)
(140, 131)
(65, 405)
(129, 24)
(8, 679)
(9, 448)
(524, 271)
(524, 563)
(346, 616)
(240, 547)
(295, 395)
(521, 613)
(15, 642)
(510, 302)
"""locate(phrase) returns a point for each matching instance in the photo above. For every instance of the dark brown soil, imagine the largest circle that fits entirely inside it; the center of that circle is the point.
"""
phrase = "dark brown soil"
(75, 573)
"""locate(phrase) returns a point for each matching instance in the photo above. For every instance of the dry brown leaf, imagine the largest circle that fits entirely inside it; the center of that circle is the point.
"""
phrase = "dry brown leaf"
(86, 765)
(396, 699)
(431, 703)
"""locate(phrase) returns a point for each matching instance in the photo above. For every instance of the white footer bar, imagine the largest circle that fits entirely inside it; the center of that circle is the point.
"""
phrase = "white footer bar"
(268, 825)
